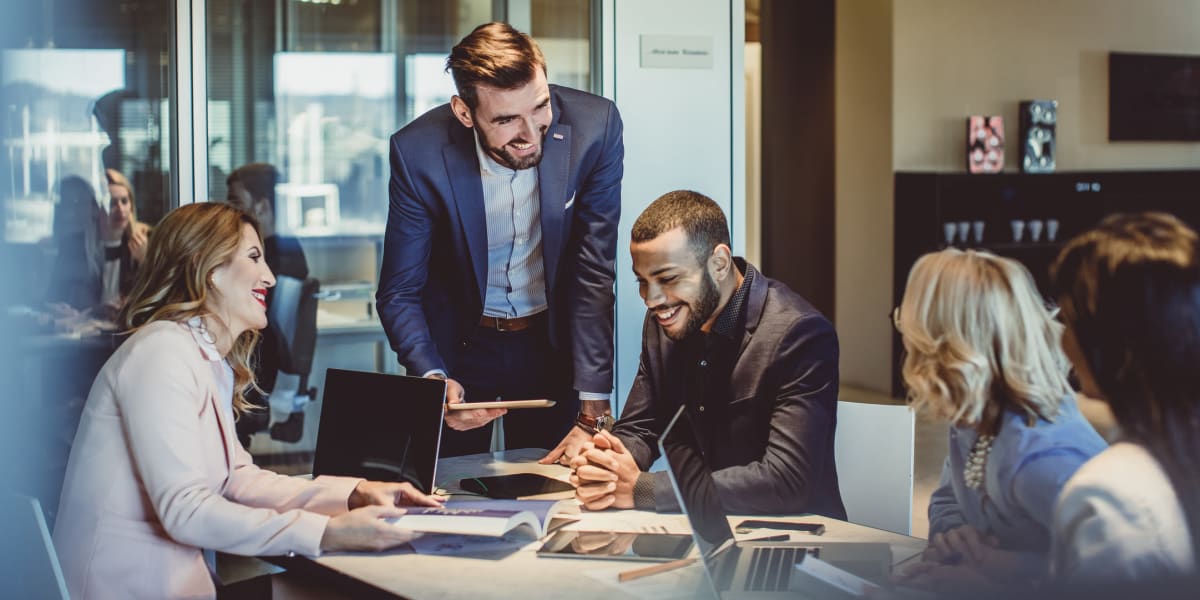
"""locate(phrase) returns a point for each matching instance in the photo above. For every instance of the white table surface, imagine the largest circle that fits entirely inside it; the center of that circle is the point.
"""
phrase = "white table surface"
(522, 574)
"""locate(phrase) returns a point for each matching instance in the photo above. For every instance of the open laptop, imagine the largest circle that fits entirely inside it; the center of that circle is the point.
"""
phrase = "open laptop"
(381, 427)
(749, 569)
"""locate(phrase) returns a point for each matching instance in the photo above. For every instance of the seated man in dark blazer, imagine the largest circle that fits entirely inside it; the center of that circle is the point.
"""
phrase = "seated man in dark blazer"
(755, 364)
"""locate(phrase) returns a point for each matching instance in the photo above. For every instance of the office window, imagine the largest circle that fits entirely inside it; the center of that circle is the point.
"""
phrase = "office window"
(83, 88)
(316, 88)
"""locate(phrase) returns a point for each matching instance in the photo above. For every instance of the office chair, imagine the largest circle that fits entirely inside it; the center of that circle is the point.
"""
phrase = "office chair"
(293, 314)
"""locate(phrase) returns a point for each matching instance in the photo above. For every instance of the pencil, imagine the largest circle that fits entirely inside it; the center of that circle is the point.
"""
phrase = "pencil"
(641, 572)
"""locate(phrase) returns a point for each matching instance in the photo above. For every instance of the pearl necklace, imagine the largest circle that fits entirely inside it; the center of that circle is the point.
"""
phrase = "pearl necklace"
(977, 460)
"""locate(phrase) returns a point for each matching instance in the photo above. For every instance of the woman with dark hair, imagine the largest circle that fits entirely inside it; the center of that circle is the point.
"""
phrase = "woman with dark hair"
(1130, 296)
(75, 277)
(156, 472)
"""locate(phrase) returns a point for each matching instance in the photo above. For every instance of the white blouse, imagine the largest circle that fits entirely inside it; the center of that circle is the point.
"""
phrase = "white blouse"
(1118, 519)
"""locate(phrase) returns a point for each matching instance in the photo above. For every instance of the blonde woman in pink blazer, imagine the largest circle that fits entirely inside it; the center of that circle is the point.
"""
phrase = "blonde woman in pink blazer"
(156, 473)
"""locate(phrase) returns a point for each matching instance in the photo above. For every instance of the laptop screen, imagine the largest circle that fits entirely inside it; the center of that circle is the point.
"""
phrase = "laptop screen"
(381, 427)
(694, 485)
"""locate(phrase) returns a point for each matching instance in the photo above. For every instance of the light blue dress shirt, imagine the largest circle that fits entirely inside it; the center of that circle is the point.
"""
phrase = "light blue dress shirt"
(1025, 471)
(516, 282)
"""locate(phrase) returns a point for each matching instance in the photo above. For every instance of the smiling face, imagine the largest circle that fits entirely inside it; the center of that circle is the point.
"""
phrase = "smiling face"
(511, 123)
(679, 290)
(120, 207)
(239, 294)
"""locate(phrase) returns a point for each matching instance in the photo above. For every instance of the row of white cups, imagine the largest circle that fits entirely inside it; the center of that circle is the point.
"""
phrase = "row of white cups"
(967, 232)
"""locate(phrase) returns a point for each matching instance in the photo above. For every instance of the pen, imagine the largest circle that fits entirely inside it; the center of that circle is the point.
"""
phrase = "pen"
(641, 572)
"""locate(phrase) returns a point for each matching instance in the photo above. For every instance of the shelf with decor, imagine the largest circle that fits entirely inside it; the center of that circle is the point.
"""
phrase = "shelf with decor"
(981, 210)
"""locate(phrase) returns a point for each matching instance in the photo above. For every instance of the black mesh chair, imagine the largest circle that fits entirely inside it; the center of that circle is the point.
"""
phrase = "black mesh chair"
(293, 316)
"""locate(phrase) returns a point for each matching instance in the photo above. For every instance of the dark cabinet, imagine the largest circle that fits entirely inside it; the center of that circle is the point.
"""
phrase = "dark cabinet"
(1022, 216)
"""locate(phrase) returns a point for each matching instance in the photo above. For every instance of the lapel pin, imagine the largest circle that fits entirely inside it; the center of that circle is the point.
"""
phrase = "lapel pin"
(558, 136)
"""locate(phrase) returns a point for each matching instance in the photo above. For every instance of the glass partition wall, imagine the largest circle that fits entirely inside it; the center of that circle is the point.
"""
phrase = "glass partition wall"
(86, 98)
(316, 88)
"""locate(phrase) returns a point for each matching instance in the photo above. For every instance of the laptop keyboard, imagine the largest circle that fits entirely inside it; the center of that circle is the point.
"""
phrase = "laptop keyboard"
(771, 568)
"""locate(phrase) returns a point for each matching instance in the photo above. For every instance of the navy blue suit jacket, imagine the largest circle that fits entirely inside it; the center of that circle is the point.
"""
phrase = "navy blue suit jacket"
(434, 275)
(774, 453)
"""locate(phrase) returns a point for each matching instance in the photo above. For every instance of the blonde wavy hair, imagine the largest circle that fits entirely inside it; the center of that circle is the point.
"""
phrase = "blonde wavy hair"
(979, 340)
(188, 245)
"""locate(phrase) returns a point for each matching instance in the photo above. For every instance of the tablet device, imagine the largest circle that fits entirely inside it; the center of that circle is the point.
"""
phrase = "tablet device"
(509, 404)
(651, 547)
(510, 487)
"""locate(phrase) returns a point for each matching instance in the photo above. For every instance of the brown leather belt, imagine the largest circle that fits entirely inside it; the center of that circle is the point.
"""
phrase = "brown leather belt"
(511, 325)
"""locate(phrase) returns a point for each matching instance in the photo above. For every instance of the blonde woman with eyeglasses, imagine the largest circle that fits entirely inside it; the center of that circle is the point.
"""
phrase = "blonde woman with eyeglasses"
(982, 353)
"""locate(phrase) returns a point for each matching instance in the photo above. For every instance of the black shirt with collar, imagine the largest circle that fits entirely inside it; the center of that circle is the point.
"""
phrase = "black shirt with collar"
(704, 366)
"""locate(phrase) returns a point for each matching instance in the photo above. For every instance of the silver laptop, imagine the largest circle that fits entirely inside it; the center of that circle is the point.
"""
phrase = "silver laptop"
(749, 569)
(381, 427)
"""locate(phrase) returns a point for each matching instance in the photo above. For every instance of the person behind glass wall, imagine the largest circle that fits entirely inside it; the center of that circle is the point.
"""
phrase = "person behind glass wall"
(1130, 296)
(76, 274)
(124, 240)
(155, 473)
(500, 250)
(251, 188)
(982, 353)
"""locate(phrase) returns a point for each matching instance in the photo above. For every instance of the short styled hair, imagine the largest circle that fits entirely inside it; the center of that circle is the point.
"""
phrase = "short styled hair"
(979, 339)
(495, 55)
(259, 179)
(698, 215)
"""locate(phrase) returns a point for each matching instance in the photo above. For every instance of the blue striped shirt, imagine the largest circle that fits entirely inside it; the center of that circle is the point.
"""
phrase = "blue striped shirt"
(516, 282)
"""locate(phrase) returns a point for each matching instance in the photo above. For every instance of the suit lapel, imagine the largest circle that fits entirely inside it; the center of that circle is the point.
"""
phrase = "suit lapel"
(226, 428)
(552, 191)
(744, 375)
(462, 168)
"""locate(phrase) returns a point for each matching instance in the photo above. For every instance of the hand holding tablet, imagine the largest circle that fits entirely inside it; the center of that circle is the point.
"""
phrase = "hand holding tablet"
(506, 404)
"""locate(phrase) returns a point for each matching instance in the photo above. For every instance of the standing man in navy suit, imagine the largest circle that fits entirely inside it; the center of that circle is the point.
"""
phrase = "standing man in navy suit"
(499, 256)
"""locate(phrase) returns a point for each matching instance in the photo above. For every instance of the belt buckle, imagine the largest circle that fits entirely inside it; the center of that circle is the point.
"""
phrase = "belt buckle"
(501, 324)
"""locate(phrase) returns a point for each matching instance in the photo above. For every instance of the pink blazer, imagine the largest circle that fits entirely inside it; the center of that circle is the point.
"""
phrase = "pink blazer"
(156, 473)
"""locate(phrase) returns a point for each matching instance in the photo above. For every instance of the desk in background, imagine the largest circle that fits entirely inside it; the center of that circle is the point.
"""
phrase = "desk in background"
(402, 573)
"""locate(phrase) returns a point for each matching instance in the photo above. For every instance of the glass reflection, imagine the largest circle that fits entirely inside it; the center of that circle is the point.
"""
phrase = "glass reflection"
(83, 174)
(317, 88)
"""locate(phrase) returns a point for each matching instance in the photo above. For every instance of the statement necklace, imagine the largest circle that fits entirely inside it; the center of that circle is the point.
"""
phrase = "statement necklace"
(977, 461)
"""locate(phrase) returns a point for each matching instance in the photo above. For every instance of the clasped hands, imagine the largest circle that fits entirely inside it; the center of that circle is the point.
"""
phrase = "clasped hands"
(604, 473)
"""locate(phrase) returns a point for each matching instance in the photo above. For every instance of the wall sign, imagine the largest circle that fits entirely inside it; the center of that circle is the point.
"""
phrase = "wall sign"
(677, 51)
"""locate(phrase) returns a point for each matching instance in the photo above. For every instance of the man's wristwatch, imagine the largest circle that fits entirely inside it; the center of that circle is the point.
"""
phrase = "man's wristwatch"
(592, 424)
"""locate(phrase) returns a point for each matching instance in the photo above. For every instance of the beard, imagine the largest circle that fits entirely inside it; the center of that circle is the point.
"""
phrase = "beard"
(506, 158)
(700, 311)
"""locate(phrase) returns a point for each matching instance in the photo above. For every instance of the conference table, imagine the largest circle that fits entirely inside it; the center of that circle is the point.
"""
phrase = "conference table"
(522, 573)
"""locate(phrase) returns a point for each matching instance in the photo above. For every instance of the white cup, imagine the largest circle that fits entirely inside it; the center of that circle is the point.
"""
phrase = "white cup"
(1035, 231)
(964, 232)
(1051, 230)
(1018, 230)
(949, 229)
(977, 230)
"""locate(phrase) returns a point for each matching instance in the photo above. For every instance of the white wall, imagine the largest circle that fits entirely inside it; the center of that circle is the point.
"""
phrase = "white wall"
(684, 128)
(954, 59)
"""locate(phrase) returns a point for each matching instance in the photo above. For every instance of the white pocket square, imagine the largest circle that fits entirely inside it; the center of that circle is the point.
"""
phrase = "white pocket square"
(570, 203)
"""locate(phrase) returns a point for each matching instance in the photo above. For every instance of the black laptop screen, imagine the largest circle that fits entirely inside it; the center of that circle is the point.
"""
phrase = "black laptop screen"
(381, 427)
(698, 491)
